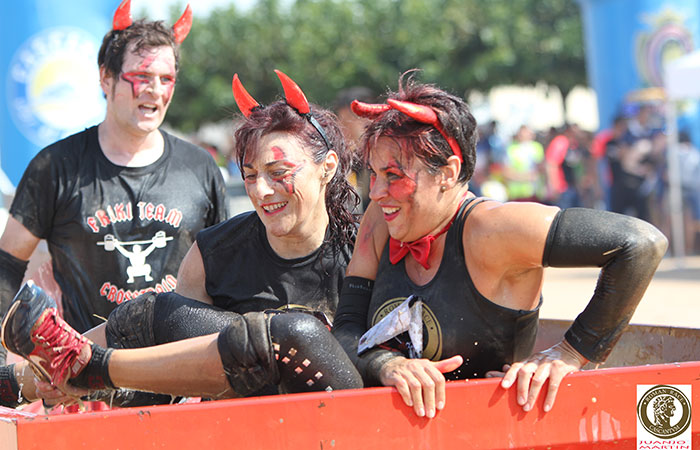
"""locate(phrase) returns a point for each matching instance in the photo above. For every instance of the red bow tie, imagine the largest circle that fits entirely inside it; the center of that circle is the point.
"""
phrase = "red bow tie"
(420, 248)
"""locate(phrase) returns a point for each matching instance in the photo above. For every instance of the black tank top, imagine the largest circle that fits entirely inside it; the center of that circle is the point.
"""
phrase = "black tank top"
(457, 319)
(243, 273)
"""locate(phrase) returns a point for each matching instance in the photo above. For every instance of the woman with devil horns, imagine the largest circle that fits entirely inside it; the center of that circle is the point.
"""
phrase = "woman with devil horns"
(251, 290)
(468, 271)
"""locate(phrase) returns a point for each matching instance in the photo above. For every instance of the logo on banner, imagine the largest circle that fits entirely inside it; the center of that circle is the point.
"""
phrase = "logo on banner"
(664, 416)
(53, 85)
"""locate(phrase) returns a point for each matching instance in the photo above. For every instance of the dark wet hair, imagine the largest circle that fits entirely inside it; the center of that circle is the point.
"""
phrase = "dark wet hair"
(144, 35)
(423, 140)
(341, 197)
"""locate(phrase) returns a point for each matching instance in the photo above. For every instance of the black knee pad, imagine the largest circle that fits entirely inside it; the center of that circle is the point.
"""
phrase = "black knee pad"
(130, 325)
(309, 358)
(246, 353)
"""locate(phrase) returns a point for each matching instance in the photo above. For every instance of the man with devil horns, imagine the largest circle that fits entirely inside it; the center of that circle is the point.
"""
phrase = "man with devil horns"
(121, 184)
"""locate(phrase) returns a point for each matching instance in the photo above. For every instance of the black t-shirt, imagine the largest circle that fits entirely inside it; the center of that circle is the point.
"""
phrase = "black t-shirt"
(457, 319)
(115, 232)
(244, 274)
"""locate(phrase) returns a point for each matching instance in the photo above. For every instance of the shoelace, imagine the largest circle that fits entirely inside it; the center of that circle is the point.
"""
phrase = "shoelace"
(61, 343)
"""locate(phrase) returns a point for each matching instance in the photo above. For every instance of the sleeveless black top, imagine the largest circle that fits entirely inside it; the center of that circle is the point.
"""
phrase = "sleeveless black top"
(243, 273)
(457, 319)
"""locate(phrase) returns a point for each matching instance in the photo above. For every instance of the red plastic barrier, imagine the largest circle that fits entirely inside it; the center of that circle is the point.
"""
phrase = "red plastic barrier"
(596, 407)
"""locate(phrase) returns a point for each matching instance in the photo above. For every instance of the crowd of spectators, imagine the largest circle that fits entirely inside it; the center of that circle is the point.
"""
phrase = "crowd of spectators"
(621, 169)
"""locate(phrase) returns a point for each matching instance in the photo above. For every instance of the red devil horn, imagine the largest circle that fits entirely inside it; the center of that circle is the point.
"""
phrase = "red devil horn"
(368, 110)
(293, 93)
(183, 25)
(122, 16)
(244, 100)
(426, 114)
(421, 113)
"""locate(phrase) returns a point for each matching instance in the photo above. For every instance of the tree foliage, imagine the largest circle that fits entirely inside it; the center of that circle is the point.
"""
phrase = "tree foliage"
(328, 45)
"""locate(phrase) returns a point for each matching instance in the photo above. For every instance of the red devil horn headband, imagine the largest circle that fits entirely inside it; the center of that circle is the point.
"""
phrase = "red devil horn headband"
(293, 94)
(183, 25)
(246, 103)
(122, 16)
(294, 97)
(368, 110)
(122, 20)
(421, 113)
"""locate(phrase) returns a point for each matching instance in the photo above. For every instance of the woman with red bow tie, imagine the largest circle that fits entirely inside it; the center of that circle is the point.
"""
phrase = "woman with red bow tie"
(470, 270)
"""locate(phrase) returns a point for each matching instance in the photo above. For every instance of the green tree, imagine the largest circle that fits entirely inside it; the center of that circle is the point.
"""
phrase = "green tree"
(327, 45)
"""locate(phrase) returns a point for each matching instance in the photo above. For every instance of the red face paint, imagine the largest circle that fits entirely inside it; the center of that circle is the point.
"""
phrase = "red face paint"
(141, 80)
(287, 177)
(400, 186)
(146, 63)
(278, 153)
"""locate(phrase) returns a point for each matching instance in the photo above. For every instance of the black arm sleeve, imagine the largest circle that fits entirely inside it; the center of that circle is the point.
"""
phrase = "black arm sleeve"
(628, 250)
(11, 274)
(350, 324)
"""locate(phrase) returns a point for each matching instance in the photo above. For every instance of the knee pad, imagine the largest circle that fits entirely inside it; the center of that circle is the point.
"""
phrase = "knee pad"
(246, 353)
(130, 325)
(309, 358)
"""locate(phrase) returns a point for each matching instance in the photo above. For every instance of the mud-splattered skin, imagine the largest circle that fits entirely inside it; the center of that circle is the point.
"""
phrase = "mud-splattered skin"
(286, 188)
(142, 78)
(141, 94)
(400, 185)
(282, 172)
(405, 191)
(288, 170)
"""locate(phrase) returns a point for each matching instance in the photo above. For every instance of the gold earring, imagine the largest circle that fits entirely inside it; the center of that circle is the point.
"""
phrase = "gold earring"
(443, 188)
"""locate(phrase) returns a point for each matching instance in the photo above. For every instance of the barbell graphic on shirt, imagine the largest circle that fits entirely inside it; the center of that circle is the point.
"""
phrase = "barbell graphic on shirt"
(159, 240)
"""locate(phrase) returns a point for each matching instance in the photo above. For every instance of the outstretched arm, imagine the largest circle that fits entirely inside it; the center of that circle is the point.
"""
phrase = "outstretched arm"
(628, 250)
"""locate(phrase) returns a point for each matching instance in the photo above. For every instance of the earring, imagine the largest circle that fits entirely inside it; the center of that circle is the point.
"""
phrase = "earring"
(443, 188)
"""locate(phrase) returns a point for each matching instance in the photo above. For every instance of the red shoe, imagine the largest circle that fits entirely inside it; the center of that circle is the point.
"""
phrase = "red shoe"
(33, 329)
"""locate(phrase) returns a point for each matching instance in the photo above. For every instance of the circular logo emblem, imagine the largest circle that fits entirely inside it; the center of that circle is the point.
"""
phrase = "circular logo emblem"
(664, 411)
(53, 87)
(432, 346)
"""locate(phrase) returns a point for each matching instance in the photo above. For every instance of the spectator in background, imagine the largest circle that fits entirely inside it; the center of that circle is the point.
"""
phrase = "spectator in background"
(488, 169)
(566, 161)
(689, 161)
(523, 167)
(626, 158)
(598, 152)
(353, 127)
(641, 125)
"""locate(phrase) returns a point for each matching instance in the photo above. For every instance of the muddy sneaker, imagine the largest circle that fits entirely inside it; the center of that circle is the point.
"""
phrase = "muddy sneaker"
(33, 330)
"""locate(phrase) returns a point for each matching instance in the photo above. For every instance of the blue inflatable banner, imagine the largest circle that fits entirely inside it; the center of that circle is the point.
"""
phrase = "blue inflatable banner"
(627, 44)
(49, 80)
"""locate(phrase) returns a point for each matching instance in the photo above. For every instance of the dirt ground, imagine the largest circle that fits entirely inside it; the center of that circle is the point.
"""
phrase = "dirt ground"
(673, 297)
